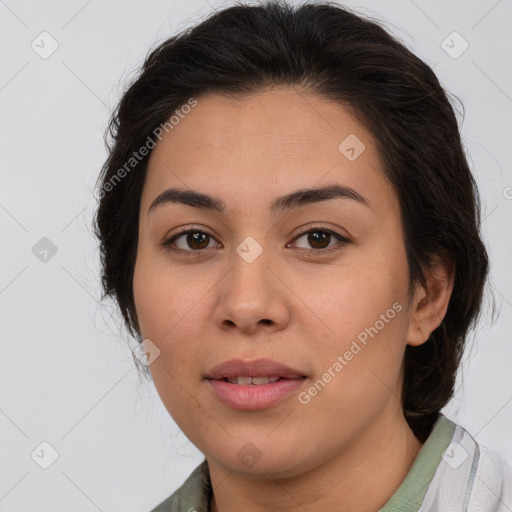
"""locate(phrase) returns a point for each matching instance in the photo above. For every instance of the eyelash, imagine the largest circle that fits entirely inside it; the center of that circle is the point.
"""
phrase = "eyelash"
(316, 252)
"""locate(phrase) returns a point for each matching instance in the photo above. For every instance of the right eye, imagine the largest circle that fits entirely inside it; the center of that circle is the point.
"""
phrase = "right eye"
(194, 240)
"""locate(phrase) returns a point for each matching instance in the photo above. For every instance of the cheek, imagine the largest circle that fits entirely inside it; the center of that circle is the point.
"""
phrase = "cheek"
(160, 297)
(362, 310)
(347, 298)
(166, 316)
(169, 306)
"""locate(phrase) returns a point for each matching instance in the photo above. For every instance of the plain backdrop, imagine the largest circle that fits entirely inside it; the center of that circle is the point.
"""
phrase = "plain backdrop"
(67, 376)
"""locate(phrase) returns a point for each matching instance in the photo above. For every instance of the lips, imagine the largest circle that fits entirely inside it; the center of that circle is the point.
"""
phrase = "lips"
(257, 368)
(253, 385)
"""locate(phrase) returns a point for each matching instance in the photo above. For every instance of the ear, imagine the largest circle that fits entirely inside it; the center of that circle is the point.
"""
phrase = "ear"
(429, 305)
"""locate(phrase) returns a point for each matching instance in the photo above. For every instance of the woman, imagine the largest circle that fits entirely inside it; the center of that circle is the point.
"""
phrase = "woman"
(288, 220)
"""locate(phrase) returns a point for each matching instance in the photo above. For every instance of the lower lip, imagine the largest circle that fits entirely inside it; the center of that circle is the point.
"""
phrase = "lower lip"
(252, 397)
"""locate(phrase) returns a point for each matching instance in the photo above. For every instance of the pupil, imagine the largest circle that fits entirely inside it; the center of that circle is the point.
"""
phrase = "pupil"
(194, 238)
(318, 237)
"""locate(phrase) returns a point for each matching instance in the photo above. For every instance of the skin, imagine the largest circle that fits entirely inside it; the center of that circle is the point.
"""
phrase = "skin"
(293, 303)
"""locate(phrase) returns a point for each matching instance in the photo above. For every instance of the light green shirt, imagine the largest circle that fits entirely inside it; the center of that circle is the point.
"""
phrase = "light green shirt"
(451, 472)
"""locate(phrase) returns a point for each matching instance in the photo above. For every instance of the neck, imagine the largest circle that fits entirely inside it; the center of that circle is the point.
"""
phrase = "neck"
(346, 482)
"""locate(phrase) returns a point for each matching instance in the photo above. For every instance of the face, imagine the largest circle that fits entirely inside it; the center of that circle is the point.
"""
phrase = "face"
(316, 283)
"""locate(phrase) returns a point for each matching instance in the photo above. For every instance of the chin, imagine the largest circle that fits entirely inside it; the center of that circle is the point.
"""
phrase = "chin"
(264, 462)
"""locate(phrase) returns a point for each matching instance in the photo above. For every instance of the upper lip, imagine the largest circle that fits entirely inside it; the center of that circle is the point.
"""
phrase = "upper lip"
(256, 368)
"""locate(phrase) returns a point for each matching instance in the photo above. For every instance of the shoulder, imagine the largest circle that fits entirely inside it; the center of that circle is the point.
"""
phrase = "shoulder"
(470, 477)
(493, 481)
(193, 495)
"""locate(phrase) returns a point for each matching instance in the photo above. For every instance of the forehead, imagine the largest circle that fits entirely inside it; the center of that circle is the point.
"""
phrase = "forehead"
(265, 144)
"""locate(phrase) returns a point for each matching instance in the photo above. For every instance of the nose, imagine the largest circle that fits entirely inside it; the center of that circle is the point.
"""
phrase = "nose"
(253, 296)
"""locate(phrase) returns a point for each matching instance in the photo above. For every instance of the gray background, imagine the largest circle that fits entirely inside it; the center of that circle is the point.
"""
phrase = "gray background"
(67, 375)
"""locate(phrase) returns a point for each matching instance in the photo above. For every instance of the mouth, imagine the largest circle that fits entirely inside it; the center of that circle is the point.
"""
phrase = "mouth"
(257, 370)
(255, 384)
(255, 381)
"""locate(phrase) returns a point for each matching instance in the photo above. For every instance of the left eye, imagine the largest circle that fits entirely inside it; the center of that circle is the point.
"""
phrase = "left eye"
(320, 238)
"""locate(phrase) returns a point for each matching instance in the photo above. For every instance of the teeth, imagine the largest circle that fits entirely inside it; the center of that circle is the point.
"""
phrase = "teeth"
(252, 380)
(260, 380)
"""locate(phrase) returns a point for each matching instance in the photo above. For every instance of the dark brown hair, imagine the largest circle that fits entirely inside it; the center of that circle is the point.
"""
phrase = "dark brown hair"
(325, 49)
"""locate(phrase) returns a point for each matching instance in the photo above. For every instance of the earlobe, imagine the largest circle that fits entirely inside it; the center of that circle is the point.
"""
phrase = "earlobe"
(429, 305)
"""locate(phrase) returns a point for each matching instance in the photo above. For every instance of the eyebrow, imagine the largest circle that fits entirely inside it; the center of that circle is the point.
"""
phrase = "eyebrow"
(300, 197)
